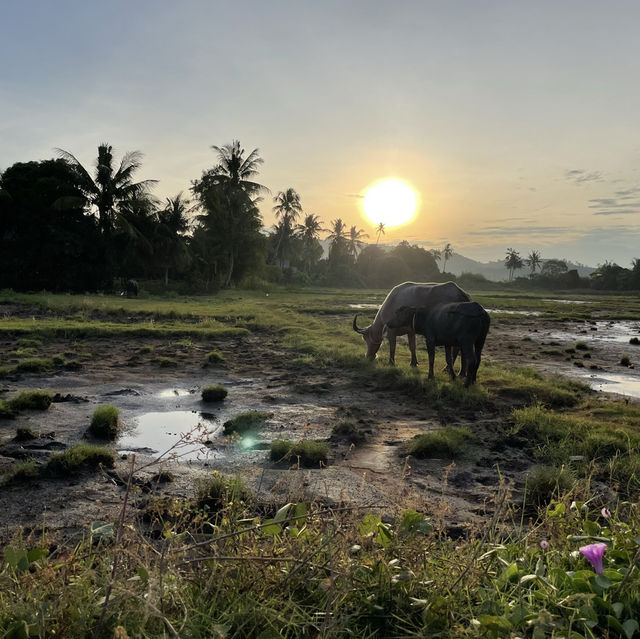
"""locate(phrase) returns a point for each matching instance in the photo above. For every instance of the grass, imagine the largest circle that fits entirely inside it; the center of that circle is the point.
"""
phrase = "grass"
(214, 357)
(78, 458)
(625, 360)
(245, 422)
(25, 434)
(166, 362)
(105, 422)
(310, 454)
(347, 430)
(214, 393)
(20, 472)
(449, 443)
(217, 490)
(6, 410)
(31, 400)
(545, 483)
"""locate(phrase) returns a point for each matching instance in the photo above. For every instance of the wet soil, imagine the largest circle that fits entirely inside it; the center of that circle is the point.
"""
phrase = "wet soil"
(302, 402)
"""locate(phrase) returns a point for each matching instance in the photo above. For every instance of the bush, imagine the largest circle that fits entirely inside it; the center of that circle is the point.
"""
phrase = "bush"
(32, 400)
(105, 422)
(251, 420)
(166, 362)
(22, 471)
(545, 483)
(448, 442)
(625, 361)
(214, 357)
(311, 454)
(25, 434)
(217, 491)
(6, 410)
(35, 365)
(346, 429)
(214, 393)
(78, 457)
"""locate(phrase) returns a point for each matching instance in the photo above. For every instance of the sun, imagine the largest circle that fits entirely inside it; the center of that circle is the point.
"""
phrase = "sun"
(391, 202)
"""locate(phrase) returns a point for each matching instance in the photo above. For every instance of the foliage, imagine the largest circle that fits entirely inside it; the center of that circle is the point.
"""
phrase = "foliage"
(449, 442)
(24, 433)
(31, 400)
(77, 458)
(217, 490)
(310, 454)
(347, 429)
(214, 393)
(105, 422)
(244, 422)
(214, 357)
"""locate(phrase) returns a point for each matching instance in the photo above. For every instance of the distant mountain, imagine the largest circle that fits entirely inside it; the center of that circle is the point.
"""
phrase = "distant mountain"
(496, 271)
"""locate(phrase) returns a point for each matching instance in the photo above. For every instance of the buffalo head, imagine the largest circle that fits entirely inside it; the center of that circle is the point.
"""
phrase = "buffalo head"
(373, 345)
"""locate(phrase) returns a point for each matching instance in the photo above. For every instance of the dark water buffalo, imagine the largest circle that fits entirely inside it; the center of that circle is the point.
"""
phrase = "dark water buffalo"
(462, 324)
(411, 294)
(131, 288)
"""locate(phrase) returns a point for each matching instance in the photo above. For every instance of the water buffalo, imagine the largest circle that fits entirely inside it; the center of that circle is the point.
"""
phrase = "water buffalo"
(461, 324)
(411, 294)
(131, 288)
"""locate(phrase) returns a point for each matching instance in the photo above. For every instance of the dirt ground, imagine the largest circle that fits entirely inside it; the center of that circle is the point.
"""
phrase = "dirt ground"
(303, 402)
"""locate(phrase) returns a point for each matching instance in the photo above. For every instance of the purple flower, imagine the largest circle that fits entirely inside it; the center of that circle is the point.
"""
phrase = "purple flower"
(606, 513)
(544, 544)
(594, 553)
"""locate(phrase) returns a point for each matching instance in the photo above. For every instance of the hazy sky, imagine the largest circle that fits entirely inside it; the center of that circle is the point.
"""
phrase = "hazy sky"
(517, 122)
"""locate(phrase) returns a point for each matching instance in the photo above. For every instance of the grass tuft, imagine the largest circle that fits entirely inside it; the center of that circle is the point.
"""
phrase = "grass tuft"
(214, 393)
(248, 421)
(105, 422)
(31, 400)
(449, 443)
(311, 454)
(25, 434)
(78, 458)
(214, 357)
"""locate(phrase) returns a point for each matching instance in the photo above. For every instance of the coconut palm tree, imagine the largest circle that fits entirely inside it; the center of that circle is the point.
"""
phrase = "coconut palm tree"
(287, 210)
(309, 233)
(355, 241)
(338, 232)
(379, 231)
(169, 241)
(237, 169)
(513, 262)
(447, 252)
(110, 187)
(533, 261)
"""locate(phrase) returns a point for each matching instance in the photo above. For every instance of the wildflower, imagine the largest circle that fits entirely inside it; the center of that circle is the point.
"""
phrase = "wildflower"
(606, 513)
(544, 544)
(593, 554)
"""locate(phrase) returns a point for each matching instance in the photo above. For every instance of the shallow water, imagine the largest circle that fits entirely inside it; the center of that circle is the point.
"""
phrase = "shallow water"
(613, 383)
(502, 310)
(620, 331)
(184, 431)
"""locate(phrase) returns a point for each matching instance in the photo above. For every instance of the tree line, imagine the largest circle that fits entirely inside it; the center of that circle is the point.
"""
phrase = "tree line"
(64, 227)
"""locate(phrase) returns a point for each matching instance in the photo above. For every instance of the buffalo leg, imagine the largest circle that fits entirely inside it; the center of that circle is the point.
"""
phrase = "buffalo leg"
(470, 360)
(411, 336)
(392, 349)
(431, 349)
(447, 354)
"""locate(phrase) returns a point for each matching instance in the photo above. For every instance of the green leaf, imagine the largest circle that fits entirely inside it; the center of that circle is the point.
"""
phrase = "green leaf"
(17, 630)
(613, 575)
(510, 573)
(558, 510)
(415, 522)
(282, 513)
(369, 524)
(36, 553)
(606, 540)
(602, 582)
(143, 573)
(618, 607)
(495, 623)
(612, 622)
(102, 530)
(271, 529)
(630, 627)
(11, 556)
(300, 510)
(592, 528)
(385, 535)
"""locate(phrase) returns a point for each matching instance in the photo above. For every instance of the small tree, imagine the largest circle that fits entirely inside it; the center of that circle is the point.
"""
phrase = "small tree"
(447, 253)
(513, 262)
(533, 261)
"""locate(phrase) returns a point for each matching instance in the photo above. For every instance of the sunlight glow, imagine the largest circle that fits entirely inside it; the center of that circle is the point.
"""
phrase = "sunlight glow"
(391, 202)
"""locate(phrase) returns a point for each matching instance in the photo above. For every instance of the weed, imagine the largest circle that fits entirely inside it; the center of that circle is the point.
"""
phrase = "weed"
(165, 362)
(35, 365)
(625, 360)
(545, 483)
(311, 454)
(214, 357)
(20, 472)
(582, 346)
(29, 342)
(24, 434)
(145, 349)
(31, 400)
(346, 429)
(79, 457)
(6, 410)
(448, 443)
(217, 491)
(105, 422)
(214, 393)
(248, 421)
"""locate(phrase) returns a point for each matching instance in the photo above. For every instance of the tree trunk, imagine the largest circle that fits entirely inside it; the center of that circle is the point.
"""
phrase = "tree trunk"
(229, 275)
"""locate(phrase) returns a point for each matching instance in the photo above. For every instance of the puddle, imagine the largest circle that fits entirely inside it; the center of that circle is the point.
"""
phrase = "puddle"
(621, 332)
(364, 305)
(613, 383)
(501, 310)
(154, 433)
(174, 392)
(570, 301)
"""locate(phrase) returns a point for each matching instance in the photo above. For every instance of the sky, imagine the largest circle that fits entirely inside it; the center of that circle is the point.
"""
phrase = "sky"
(517, 123)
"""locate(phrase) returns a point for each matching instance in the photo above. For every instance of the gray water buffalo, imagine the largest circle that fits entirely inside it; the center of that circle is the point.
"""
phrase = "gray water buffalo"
(131, 289)
(412, 294)
(461, 324)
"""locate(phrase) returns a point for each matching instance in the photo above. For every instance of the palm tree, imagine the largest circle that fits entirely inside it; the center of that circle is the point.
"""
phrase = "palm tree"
(338, 232)
(533, 261)
(237, 169)
(287, 210)
(447, 252)
(111, 187)
(437, 254)
(379, 231)
(173, 223)
(309, 232)
(512, 261)
(354, 241)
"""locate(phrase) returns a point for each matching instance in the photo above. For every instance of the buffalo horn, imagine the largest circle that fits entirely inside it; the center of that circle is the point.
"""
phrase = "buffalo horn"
(355, 326)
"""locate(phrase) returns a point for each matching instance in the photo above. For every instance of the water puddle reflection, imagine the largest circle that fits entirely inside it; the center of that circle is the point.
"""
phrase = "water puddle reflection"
(613, 383)
(156, 432)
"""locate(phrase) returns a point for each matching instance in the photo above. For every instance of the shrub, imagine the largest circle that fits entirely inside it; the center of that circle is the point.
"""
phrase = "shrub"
(311, 454)
(78, 457)
(31, 400)
(448, 442)
(244, 422)
(544, 483)
(214, 393)
(214, 357)
(582, 346)
(217, 491)
(28, 342)
(35, 365)
(635, 341)
(145, 349)
(22, 471)
(625, 361)
(25, 434)
(6, 410)
(105, 422)
(166, 362)
(346, 429)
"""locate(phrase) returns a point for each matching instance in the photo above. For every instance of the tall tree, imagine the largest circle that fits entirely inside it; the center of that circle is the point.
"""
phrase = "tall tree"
(287, 210)
(533, 261)
(170, 246)
(447, 252)
(355, 241)
(109, 187)
(309, 232)
(512, 261)
(228, 196)
(379, 231)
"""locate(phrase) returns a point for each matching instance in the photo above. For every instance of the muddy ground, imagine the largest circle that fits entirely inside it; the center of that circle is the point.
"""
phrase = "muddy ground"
(304, 403)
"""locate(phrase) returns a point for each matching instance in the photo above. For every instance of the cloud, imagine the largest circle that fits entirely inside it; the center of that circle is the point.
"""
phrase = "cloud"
(502, 231)
(618, 212)
(613, 205)
(580, 176)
